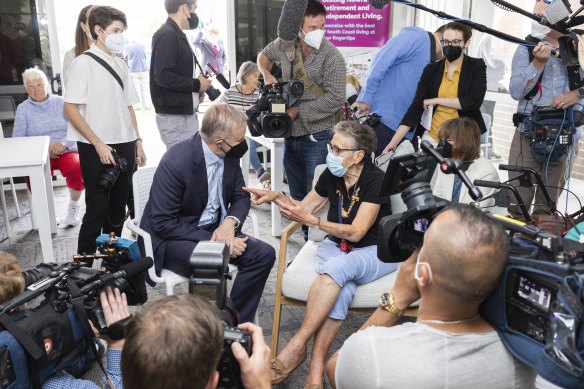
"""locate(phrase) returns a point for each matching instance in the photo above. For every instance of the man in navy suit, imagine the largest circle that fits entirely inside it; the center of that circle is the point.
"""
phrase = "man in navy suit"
(197, 195)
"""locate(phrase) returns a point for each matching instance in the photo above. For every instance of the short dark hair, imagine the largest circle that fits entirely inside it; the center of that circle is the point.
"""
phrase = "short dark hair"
(174, 342)
(466, 30)
(470, 254)
(363, 136)
(315, 8)
(172, 6)
(103, 16)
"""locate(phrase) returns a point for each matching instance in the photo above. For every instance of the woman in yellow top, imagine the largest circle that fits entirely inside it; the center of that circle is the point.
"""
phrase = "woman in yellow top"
(454, 87)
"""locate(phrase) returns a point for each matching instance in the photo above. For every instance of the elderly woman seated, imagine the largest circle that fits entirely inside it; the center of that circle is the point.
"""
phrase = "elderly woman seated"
(348, 256)
(461, 140)
(42, 114)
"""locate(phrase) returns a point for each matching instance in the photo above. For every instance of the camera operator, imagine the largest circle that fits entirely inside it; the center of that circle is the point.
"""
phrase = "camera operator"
(176, 341)
(174, 86)
(115, 308)
(98, 104)
(322, 68)
(450, 345)
(393, 77)
(197, 195)
(547, 77)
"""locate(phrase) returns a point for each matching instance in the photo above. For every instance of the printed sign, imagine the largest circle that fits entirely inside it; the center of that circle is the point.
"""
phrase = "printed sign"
(356, 23)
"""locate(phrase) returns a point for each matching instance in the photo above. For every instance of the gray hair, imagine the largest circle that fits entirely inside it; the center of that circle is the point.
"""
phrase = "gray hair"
(35, 73)
(245, 70)
(219, 120)
(363, 136)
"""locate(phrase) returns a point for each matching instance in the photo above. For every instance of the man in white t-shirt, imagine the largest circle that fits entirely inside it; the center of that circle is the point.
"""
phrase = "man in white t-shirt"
(99, 95)
(450, 345)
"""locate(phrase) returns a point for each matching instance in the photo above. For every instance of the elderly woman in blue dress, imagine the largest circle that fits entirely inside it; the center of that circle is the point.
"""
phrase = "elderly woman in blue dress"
(348, 256)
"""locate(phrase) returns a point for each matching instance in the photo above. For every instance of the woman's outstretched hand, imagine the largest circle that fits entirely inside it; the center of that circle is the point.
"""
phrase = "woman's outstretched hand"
(261, 196)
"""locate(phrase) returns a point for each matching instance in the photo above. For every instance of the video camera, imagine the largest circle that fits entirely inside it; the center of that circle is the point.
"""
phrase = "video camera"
(268, 115)
(55, 335)
(538, 305)
(209, 274)
(115, 253)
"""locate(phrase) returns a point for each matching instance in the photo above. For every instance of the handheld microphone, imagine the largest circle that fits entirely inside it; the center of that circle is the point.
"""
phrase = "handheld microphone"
(452, 166)
(127, 271)
(220, 77)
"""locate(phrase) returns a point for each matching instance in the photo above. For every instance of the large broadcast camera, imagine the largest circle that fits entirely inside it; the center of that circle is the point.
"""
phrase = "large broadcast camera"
(268, 115)
(209, 274)
(538, 305)
(55, 335)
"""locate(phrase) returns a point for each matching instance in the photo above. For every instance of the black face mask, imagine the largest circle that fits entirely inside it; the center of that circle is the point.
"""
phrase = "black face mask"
(445, 148)
(451, 53)
(193, 21)
(238, 150)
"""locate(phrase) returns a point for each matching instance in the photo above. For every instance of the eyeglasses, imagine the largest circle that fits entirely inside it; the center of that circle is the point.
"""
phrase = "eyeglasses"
(335, 150)
(454, 42)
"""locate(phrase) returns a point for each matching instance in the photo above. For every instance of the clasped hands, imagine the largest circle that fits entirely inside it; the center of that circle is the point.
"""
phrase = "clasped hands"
(226, 233)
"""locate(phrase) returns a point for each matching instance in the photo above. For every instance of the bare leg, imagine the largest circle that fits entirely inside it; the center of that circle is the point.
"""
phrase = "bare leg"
(321, 298)
(322, 342)
(75, 195)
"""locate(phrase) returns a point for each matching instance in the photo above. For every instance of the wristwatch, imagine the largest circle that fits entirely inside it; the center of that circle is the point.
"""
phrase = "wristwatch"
(581, 92)
(387, 302)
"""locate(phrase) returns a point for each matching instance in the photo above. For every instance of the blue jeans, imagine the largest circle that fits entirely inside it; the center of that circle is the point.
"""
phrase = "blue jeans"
(254, 160)
(302, 154)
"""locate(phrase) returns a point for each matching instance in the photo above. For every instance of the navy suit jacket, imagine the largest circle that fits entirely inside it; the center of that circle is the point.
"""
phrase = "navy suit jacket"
(179, 196)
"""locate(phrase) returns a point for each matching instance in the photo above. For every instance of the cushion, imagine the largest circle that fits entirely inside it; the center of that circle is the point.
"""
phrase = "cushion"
(301, 273)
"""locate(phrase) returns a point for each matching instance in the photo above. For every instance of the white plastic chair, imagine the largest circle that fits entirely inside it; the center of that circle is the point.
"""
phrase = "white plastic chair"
(3, 197)
(7, 109)
(486, 137)
(142, 181)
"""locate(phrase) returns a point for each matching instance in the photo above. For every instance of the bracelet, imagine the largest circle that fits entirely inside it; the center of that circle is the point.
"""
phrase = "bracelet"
(138, 139)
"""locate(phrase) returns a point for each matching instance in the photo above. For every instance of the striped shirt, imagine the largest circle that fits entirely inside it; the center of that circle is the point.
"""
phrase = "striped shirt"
(325, 67)
(236, 99)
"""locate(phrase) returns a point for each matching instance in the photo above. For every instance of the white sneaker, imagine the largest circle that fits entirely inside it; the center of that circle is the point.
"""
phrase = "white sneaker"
(73, 217)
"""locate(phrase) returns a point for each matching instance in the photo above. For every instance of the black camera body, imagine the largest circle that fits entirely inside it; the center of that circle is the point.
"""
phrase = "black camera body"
(268, 116)
(111, 173)
(209, 273)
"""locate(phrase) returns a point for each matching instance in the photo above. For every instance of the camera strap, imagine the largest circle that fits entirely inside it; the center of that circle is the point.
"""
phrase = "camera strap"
(299, 72)
(107, 67)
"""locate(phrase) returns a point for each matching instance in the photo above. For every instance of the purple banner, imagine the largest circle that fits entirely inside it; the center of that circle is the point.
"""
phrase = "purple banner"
(355, 23)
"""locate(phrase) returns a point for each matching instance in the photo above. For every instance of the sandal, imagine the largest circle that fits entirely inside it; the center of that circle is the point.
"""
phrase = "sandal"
(277, 369)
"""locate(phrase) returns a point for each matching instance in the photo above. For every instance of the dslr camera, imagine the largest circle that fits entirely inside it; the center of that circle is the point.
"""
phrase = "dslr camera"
(111, 172)
(268, 115)
(209, 274)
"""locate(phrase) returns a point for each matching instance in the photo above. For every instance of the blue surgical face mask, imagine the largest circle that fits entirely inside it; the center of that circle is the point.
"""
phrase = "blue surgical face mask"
(335, 164)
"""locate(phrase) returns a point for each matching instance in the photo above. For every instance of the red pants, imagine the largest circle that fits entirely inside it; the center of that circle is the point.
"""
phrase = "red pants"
(68, 164)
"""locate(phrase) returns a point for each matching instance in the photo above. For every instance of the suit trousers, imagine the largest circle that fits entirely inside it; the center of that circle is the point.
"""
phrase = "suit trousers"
(552, 175)
(253, 268)
(105, 211)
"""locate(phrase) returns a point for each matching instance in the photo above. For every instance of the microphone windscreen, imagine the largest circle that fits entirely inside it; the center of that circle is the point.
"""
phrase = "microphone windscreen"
(379, 3)
(136, 267)
(223, 81)
(291, 19)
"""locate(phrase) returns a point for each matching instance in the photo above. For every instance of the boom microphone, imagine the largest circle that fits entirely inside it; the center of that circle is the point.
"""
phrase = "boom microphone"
(127, 271)
(378, 3)
(291, 19)
(220, 77)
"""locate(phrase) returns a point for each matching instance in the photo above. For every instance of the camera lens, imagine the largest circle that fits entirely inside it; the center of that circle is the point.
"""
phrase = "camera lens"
(111, 174)
(213, 93)
(296, 88)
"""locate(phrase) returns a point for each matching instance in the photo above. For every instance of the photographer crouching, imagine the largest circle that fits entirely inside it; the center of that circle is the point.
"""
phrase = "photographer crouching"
(450, 345)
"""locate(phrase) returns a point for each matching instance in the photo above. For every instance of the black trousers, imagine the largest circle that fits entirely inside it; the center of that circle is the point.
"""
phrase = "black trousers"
(253, 268)
(104, 211)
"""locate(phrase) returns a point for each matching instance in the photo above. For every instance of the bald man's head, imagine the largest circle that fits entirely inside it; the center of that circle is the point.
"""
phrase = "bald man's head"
(466, 251)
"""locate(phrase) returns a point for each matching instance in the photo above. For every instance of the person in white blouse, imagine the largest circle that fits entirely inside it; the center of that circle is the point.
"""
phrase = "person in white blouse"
(83, 40)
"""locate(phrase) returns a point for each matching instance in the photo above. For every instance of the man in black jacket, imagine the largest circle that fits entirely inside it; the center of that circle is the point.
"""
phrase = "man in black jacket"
(173, 86)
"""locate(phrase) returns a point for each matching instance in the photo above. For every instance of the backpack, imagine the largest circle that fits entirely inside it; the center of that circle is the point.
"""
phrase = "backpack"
(36, 343)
